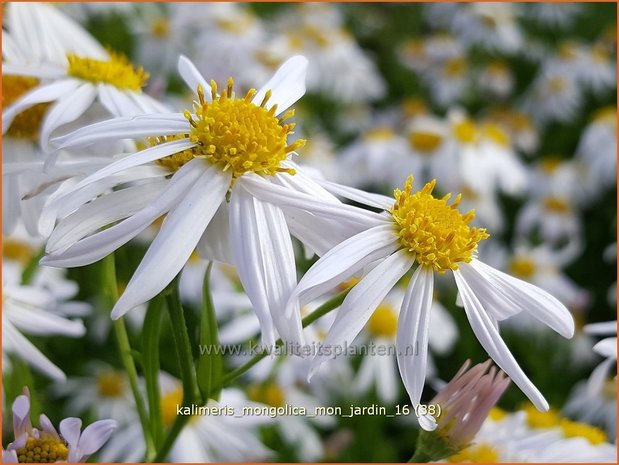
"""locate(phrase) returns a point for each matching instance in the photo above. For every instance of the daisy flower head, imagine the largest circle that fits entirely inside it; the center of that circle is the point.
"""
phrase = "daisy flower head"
(45, 445)
(62, 64)
(225, 165)
(429, 234)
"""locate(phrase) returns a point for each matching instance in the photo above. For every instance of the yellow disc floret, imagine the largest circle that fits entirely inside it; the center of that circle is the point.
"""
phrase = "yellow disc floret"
(117, 71)
(383, 322)
(43, 450)
(269, 394)
(169, 403)
(111, 384)
(574, 429)
(479, 453)
(537, 419)
(523, 267)
(435, 232)
(238, 135)
(27, 124)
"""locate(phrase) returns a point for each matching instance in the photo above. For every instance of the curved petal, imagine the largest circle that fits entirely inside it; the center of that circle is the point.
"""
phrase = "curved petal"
(97, 246)
(607, 347)
(192, 77)
(598, 377)
(68, 108)
(70, 428)
(287, 84)
(489, 337)
(34, 321)
(126, 127)
(361, 302)
(343, 261)
(525, 296)
(93, 438)
(413, 329)
(41, 94)
(175, 241)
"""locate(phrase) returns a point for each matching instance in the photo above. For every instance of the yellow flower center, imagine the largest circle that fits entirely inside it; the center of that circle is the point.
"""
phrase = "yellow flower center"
(481, 453)
(609, 389)
(160, 28)
(497, 414)
(236, 134)
(414, 107)
(556, 205)
(574, 429)
(17, 251)
(496, 134)
(550, 164)
(435, 232)
(43, 450)
(26, 124)
(455, 67)
(465, 131)
(424, 141)
(606, 115)
(383, 322)
(522, 267)
(110, 384)
(556, 84)
(117, 71)
(537, 419)
(169, 402)
(378, 134)
(269, 394)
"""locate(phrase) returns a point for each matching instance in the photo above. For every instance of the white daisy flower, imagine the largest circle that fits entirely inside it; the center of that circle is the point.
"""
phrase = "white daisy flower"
(209, 166)
(598, 407)
(46, 445)
(68, 67)
(606, 348)
(554, 95)
(33, 309)
(554, 15)
(496, 79)
(420, 229)
(530, 436)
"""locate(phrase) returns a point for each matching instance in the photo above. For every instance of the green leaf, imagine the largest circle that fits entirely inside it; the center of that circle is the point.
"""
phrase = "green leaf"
(210, 364)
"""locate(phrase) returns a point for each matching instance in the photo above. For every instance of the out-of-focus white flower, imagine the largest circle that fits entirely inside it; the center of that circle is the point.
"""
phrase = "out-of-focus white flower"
(489, 25)
(425, 231)
(46, 445)
(34, 309)
(531, 436)
(597, 150)
(607, 348)
(598, 408)
(71, 69)
(338, 67)
(554, 95)
(554, 15)
(496, 78)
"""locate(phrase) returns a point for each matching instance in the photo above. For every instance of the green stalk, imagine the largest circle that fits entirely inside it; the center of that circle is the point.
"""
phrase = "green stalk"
(181, 421)
(124, 349)
(191, 392)
(150, 363)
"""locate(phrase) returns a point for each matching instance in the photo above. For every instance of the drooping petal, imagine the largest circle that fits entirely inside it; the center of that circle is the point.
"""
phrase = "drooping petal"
(102, 211)
(127, 127)
(343, 261)
(362, 300)
(413, 329)
(37, 322)
(42, 94)
(525, 296)
(489, 337)
(175, 241)
(97, 246)
(287, 84)
(68, 108)
(70, 428)
(192, 77)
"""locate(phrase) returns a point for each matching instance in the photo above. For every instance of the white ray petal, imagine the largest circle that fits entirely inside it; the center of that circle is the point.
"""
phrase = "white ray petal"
(287, 84)
(362, 300)
(601, 329)
(13, 341)
(42, 94)
(126, 127)
(100, 212)
(215, 243)
(97, 246)
(413, 329)
(175, 241)
(248, 261)
(68, 108)
(366, 198)
(535, 301)
(37, 322)
(193, 77)
(114, 101)
(492, 342)
(343, 261)
(607, 347)
(283, 197)
(278, 266)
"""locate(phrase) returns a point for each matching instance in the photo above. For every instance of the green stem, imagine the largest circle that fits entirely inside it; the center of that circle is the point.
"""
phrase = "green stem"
(181, 421)
(150, 349)
(191, 393)
(124, 349)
